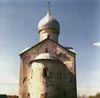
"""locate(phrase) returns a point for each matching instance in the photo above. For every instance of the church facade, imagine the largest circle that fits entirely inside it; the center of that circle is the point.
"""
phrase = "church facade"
(48, 69)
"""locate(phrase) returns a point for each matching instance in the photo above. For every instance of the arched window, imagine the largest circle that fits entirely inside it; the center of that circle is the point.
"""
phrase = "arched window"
(25, 78)
(46, 50)
(28, 95)
(45, 72)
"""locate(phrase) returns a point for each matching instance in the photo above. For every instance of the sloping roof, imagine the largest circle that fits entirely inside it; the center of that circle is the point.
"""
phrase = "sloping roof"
(45, 56)
(70, 49)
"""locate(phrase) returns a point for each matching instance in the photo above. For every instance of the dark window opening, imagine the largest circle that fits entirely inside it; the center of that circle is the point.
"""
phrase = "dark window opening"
(45, 72)
(28, 95)
(24, 79)
(46, 50)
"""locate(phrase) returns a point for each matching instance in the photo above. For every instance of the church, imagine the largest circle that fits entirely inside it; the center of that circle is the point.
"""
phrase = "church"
(48, 69)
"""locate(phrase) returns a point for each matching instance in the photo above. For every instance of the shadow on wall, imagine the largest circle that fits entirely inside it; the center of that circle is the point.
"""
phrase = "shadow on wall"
(66, 88)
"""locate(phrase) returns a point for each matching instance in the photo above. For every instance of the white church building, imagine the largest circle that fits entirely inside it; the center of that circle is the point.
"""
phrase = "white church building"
(48, 69)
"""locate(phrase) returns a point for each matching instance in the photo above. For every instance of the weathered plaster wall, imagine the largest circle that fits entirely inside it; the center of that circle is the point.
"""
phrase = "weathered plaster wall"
(54, 84)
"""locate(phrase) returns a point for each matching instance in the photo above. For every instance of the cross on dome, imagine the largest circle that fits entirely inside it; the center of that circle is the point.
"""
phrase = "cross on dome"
(49, 6)
(49, 26)
(48, 21)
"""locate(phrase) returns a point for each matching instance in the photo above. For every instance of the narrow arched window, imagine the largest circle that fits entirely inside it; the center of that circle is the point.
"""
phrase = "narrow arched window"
(25, 78)
(28, 95)
(46, 50)
(45, 71)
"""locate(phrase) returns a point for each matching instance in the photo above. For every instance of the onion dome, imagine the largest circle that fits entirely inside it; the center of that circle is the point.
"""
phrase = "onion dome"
(48, 22)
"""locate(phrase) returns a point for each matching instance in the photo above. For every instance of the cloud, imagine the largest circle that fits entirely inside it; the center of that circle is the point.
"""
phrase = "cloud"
(97, 44)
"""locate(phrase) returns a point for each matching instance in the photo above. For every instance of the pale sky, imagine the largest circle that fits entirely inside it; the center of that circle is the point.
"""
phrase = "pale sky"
(80, 29)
